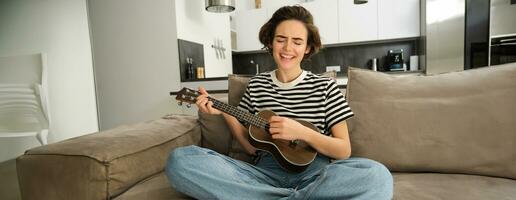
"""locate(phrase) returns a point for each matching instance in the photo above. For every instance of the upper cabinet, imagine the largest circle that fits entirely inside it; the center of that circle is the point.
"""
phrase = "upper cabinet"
(325, 15)
(398, 19)
(247, 27)
(358, 22)
(339, 21)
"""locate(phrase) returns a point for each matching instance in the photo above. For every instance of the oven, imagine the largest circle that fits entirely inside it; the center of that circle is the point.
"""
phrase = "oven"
(503, 49)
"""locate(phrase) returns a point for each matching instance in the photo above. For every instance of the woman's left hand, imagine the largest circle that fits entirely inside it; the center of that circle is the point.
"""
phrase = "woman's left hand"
(287, 129)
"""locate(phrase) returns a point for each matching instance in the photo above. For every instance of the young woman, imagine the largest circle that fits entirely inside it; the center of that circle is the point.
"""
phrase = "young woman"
(292, 93)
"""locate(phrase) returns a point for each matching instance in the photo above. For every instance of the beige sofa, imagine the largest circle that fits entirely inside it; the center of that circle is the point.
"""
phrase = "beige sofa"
(448, 136)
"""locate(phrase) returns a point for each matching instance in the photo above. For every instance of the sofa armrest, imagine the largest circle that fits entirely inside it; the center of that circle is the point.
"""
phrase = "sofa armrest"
(104, 164)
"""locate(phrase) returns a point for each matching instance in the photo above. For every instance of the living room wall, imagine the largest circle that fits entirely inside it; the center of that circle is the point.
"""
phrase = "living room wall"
(135, 59)
(58, 28)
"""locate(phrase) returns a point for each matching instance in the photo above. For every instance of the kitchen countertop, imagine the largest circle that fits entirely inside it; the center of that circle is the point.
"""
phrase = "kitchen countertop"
(220, 85)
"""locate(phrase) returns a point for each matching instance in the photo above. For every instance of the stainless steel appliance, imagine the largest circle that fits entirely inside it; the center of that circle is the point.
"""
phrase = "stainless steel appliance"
(394, 60)
(503, 49)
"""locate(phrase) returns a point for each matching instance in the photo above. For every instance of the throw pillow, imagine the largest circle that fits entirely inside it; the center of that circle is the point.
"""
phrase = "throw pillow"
(459, 122)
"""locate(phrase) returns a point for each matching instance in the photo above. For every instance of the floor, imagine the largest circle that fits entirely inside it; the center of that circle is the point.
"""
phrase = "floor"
(9, 189)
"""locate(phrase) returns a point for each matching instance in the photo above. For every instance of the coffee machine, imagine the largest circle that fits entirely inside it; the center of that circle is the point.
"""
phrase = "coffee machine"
(394, 60)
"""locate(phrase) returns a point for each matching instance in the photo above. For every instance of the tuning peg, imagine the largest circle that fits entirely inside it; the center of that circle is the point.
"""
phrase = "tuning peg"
(188, 105)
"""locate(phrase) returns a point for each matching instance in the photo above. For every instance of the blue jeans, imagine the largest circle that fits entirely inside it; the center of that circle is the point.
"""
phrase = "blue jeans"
(205, 174)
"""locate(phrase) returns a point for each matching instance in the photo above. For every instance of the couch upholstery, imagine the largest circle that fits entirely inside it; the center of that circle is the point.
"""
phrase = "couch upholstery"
(106, 164)
(462, 122)
(448, 136)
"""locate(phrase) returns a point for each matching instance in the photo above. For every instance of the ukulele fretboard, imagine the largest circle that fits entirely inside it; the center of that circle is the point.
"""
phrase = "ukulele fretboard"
(242, 115)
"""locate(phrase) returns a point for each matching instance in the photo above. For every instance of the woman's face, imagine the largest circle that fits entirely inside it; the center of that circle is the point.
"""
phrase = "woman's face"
(290, 44)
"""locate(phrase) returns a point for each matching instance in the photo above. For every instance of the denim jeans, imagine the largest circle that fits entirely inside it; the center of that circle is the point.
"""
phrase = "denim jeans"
(205, 174)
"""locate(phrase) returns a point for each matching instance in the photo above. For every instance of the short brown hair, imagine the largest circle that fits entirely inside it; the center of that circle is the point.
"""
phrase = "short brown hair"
(296, 12)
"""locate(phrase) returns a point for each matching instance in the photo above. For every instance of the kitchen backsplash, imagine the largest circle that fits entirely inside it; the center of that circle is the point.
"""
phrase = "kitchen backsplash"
(355, 55)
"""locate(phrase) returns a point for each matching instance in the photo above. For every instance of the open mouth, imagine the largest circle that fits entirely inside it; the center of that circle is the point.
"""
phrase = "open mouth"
(286, 57)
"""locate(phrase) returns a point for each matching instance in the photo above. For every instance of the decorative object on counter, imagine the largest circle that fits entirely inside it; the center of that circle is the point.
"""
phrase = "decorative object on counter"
(200, 72)
(257, 4)
(219, 48)
(395, 60)
(256, 65)
(219, 6)
(414, 63)
(190, 74)
(374, 64)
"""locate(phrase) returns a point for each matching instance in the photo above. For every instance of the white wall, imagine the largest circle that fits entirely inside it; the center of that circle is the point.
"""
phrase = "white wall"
(58, 28)
(136, 59)
(196, 24)
(503, 17)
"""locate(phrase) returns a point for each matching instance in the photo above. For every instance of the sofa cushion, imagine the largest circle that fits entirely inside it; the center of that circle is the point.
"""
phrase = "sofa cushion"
(215, 133)
(156, 187)
(236, 87)
(430, 186)
(103, 164)
(460, 122)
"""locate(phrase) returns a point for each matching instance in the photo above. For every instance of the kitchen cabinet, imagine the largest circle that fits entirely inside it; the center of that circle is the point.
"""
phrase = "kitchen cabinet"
(325, 15)
(398, 19)
(247, 26)
(339, 21)
(358, 22)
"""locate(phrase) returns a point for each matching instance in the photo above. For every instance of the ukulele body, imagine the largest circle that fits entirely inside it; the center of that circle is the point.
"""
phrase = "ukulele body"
(292, 156)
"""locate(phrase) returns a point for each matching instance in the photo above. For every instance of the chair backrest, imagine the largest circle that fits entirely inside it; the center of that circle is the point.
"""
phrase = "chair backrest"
(22, 69)
(23, 92)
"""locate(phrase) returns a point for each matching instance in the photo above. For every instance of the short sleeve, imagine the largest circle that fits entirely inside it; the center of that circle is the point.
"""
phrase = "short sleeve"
(245, 102)
(336, 106)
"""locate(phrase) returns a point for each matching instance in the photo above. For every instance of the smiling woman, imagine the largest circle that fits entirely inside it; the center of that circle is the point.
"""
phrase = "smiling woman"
(293, 96)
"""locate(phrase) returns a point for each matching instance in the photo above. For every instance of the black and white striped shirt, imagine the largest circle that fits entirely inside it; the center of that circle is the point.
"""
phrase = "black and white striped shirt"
(309, 97)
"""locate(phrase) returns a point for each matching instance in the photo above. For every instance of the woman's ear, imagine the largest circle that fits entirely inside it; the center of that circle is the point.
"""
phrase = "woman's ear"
(307, 50)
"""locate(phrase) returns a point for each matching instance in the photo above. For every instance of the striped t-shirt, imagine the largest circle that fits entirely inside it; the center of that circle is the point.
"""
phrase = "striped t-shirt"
(309, 97)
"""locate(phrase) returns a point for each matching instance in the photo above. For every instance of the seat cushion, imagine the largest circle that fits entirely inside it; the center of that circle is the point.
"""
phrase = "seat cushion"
(459, 122)
(430, 186)
(407, 186)
(156, 187)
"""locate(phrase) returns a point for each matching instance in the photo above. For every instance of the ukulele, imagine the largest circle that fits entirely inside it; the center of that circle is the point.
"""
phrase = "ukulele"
(293, 156)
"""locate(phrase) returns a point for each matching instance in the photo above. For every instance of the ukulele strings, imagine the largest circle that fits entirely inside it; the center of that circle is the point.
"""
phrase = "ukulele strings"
(255, 120)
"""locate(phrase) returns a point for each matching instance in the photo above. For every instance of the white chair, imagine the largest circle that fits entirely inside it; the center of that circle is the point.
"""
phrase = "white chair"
(24, 107)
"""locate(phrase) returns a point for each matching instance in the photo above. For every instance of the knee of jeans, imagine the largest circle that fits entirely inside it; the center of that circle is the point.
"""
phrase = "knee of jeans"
(174, 161)
(380, 176)
(375, 171)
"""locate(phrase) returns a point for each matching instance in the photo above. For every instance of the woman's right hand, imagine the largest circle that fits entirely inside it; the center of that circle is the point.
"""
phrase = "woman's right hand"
(205, 105)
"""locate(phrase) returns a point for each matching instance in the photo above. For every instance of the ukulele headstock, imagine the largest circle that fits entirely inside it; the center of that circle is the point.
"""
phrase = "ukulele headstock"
(187, 95)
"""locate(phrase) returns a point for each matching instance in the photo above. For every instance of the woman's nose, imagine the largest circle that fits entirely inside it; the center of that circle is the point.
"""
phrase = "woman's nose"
(287, 45)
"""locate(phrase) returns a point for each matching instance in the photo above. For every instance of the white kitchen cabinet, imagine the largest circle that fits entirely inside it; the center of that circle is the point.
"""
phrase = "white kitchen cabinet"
(358, 22)
(273, 5)
(326, 14)
(398, 19)
(247, 25)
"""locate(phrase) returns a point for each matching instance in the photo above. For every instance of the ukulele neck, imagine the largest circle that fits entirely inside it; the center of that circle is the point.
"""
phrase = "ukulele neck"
(241, 115)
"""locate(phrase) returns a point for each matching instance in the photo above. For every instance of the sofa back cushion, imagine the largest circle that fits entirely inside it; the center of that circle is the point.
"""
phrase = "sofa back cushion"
(215, 132)
(460, 122)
